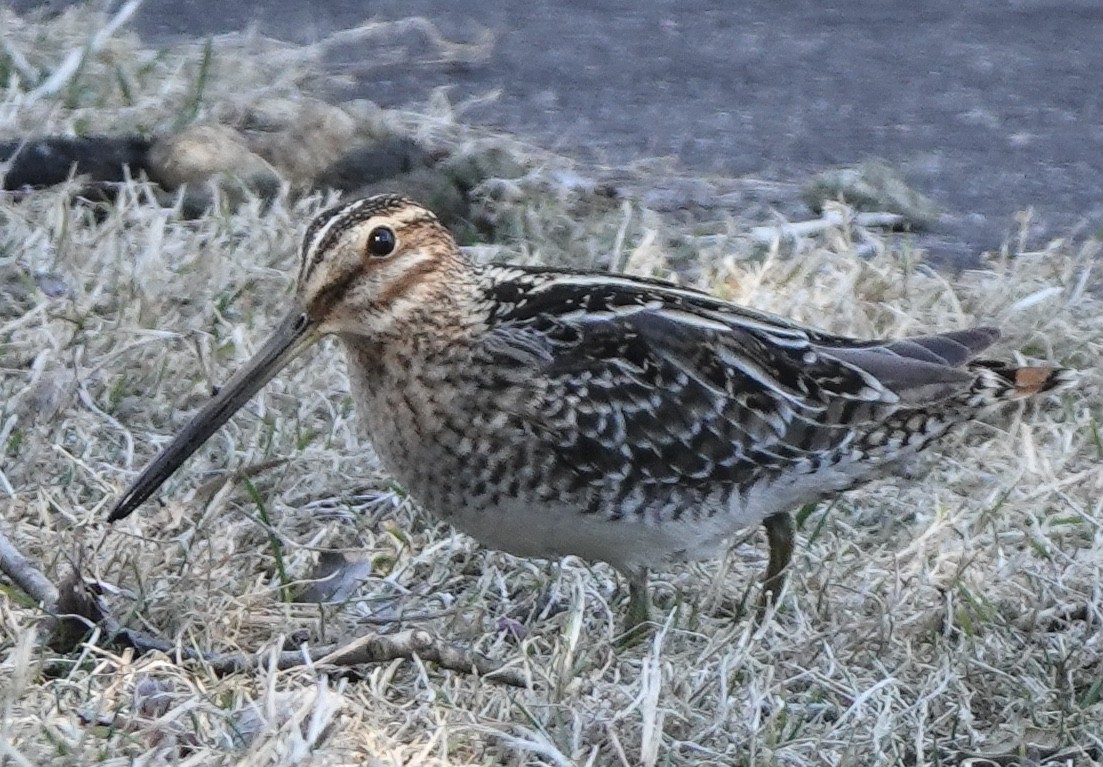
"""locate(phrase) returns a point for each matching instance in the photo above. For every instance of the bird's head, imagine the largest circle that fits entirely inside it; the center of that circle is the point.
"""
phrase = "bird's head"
(370, 264)
(367, 268)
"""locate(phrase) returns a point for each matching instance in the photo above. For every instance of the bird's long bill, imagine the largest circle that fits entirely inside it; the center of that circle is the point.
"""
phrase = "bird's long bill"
(295, 333)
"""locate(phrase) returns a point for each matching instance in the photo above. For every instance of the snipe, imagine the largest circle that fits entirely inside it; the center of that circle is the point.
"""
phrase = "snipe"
(549, 412)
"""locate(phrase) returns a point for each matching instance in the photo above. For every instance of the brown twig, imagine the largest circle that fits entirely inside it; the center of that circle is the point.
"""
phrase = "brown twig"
(25, 575)
(85, 609)
(370, 648)
(376, 648)
(831, 219)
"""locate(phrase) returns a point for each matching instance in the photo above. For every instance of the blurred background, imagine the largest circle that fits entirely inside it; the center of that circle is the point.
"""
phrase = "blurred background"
(987, 107)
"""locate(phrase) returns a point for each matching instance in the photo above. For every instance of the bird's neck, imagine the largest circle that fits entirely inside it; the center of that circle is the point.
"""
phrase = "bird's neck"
(440, 321)
(404, 379)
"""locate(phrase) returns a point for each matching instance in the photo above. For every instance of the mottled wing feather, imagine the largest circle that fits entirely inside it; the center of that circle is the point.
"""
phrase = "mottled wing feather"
(676, 386)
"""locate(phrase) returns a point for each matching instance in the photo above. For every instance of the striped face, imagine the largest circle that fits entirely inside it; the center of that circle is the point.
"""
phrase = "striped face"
(362, 263)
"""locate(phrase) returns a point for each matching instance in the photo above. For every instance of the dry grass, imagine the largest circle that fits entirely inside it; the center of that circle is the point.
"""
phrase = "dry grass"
(959, 611)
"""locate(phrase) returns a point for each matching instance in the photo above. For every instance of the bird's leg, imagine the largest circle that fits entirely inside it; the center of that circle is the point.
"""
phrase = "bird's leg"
(639, 608)
(780, 536)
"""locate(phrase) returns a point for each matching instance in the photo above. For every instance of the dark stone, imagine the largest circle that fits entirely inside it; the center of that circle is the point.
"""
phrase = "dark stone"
(48, 161)
(375, 162)
(472, 168)
(79, 608)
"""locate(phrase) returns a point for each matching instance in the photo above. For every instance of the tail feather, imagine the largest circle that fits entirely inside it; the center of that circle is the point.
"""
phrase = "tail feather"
(1000, 381)
(953, 348)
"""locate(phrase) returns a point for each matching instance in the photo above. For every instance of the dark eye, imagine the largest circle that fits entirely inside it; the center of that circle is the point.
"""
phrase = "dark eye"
(381, 242)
